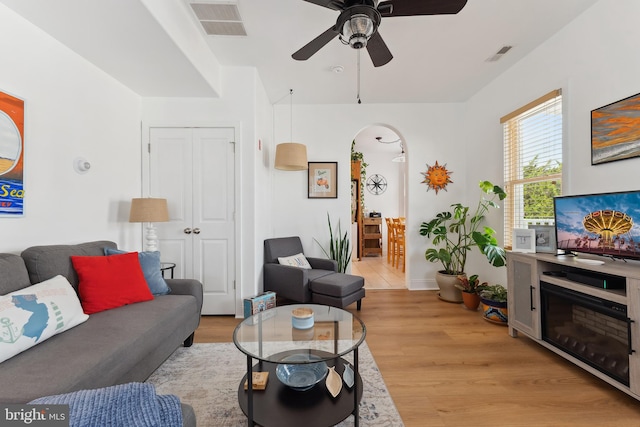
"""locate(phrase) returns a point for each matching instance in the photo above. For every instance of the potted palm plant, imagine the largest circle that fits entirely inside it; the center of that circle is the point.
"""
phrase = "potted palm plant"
(455, 232)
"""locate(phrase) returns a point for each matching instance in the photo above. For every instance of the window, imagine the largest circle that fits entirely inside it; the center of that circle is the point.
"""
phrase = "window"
(532, 163)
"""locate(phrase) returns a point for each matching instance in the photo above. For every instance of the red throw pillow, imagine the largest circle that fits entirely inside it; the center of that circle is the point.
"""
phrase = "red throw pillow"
(110, 281)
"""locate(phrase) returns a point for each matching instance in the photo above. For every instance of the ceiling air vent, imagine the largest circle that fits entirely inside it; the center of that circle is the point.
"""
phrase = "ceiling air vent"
(219, 19)
(499, 54)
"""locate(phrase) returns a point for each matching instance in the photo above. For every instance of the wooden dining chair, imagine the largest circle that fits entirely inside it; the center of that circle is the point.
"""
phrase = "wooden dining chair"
(399, 232)
(390, 241)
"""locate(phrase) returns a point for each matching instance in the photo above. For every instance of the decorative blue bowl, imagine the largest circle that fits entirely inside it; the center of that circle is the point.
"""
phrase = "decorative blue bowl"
(301, 376)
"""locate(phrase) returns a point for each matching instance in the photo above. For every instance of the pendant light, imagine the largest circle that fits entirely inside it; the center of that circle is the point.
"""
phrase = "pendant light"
(291, 156)
(401, 158)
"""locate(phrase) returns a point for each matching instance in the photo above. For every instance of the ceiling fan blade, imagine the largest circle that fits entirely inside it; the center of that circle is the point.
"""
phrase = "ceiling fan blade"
(331, 4)
(420, 7)
(315, 45)
(378, 50)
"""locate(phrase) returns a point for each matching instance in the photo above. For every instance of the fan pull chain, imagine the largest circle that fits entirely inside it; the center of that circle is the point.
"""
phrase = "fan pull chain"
(291, 113)
(358, 67)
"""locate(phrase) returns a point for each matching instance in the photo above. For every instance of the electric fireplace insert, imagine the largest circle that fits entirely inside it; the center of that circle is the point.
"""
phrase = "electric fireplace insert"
(591, 329)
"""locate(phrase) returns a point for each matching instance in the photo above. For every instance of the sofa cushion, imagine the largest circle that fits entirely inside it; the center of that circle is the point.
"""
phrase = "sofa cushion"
(282, 246)
(337, 284)
(297, 260)
(110, 281)
(31, 315)
(45, 262)
(150, 264)
(14, 273)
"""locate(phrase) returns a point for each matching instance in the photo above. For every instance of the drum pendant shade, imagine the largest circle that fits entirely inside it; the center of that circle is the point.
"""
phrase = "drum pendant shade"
(291, 156)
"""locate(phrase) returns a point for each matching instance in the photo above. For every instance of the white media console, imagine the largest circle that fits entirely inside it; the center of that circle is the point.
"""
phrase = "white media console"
(609, 347)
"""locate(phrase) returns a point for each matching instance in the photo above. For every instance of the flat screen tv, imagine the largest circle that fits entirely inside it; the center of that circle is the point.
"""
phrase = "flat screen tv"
(606, 224)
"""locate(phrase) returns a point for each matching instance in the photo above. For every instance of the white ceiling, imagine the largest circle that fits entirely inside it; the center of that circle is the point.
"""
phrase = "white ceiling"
(436, 58)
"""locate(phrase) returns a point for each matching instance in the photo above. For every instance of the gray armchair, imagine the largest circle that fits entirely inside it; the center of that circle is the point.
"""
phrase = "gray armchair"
(292, 283)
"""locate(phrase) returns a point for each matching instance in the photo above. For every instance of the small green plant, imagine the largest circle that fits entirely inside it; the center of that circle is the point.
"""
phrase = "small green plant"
(470, 285)
(497, 293)
(357, 156)
(339, 247)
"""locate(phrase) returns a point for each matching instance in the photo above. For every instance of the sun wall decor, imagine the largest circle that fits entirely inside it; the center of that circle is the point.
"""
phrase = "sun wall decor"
(437, 177)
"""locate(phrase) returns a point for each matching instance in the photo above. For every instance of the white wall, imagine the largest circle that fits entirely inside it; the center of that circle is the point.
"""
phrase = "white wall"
(594, 61)
(72, 109)
(431, 132)
(262, 216)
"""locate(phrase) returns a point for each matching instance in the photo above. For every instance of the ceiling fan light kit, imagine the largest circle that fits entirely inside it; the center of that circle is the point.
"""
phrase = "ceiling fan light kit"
(358, 22)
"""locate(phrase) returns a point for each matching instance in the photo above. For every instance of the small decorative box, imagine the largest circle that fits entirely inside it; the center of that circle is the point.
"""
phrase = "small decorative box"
(259, 303)
(302, 318)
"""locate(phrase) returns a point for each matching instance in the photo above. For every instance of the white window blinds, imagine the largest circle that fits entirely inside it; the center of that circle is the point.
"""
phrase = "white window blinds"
(532, 162)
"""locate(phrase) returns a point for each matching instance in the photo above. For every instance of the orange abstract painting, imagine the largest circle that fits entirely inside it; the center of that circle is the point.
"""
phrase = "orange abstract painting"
(11, 155)
(615, 131)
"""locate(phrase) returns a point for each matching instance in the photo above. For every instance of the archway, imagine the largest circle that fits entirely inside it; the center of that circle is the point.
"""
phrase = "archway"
(384, 151)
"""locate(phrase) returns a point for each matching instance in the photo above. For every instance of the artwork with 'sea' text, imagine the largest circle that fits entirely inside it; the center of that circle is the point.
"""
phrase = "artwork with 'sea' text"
(11, 155)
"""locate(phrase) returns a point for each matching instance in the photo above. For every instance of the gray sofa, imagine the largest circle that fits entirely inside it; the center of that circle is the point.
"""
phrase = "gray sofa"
(116, 346)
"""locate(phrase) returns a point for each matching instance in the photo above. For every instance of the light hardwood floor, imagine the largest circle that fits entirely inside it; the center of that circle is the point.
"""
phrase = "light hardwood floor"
(378, 273)
(445, 366)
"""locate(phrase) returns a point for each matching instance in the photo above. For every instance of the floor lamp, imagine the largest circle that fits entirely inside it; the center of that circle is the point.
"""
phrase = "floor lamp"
(149, 210)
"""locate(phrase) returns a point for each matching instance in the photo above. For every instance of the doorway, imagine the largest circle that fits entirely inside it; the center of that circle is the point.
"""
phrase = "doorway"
(383, 195)
(194, 169)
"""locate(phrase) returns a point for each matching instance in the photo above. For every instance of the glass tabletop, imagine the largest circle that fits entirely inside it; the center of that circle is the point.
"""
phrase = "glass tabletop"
(270, 336)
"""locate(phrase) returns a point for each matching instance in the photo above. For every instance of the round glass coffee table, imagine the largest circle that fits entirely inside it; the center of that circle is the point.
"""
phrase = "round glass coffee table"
(269, 337)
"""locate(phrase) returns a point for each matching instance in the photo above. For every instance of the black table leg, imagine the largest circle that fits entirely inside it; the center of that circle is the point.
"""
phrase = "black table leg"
(250, 421)
(356, 405)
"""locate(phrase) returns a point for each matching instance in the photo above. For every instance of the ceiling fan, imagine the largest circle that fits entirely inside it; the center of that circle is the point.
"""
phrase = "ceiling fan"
(359, 20)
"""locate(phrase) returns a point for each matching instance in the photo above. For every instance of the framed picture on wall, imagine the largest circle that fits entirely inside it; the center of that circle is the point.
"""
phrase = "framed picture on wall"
(323, 180)
(545, 238)
(615, 131)
(11, 155)
(524, 240)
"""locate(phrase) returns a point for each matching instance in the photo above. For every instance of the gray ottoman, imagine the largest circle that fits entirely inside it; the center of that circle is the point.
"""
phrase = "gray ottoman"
(337, 290)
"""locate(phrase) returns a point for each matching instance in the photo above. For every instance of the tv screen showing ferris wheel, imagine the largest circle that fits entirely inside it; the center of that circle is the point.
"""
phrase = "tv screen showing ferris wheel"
(606, 224)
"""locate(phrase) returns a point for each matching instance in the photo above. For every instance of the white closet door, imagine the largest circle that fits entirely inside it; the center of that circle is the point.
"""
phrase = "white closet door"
(193, 168)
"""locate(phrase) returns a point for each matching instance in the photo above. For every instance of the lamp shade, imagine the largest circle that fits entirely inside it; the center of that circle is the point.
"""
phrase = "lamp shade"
(149, 210)
(291, 156)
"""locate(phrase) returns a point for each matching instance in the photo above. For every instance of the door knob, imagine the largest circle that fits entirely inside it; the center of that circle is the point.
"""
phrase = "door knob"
(196, 231)
(187, 230)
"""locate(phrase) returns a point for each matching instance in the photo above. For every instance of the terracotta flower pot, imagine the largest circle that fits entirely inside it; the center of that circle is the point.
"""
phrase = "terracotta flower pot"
(471, 300)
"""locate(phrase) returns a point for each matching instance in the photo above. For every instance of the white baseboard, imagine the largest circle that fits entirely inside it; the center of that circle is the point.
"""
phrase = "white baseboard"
(423, 285)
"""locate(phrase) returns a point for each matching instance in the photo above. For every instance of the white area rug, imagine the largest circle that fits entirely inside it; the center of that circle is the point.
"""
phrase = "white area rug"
(206, 376)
